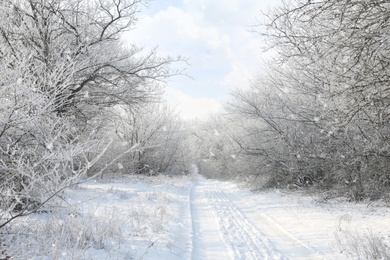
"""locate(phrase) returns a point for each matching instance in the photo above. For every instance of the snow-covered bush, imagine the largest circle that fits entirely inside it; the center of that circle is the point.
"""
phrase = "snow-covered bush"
(160, 138)
(65, 236)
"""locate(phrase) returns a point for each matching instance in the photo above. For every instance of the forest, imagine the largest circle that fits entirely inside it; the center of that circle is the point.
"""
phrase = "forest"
(79, 103)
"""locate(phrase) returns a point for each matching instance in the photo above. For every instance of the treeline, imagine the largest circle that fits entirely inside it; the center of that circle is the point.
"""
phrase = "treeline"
(320, 113)
(77, 101)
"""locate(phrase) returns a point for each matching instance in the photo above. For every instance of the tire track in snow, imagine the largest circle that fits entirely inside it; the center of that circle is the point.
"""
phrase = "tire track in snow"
(244, 238)
(282, 240)
(207, 240)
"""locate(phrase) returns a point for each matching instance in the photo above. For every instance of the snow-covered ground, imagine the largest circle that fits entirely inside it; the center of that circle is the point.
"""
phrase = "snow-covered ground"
(195, 218)
(277, 225)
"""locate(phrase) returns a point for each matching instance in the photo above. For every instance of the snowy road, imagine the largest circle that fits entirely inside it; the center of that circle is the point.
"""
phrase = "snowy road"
(189, 217)
(226, 226)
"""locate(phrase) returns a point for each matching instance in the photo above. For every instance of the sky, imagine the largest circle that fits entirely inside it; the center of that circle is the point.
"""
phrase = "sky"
(216, 37)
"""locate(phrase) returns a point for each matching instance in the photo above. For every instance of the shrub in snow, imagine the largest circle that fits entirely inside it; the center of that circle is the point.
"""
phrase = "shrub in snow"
(360, 246)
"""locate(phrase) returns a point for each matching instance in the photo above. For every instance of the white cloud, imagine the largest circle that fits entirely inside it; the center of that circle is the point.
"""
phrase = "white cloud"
(193, 108)
(214, 35)
(178, 31)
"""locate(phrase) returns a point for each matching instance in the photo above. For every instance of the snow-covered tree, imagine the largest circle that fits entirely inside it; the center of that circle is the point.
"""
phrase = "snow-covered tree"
(159, 135)
(325, 100)
(63, 66)
(40, 151)
(83, 39)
